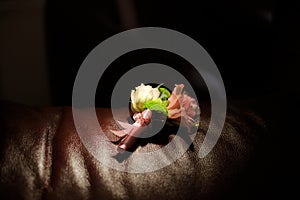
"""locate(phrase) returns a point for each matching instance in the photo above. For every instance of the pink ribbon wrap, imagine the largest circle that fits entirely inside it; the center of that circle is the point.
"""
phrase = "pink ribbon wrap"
(132, 133)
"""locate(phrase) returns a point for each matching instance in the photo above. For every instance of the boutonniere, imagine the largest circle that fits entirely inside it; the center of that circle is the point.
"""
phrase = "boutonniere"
(147, 103)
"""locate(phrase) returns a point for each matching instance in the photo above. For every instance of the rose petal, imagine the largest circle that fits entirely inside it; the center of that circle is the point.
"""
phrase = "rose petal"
(174, 113)
(175, 98)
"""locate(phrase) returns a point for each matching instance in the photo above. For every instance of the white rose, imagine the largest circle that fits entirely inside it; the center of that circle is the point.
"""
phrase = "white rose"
(141, 94)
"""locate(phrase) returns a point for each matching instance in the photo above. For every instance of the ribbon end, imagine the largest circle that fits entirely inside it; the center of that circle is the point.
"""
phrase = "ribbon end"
(119, 133)
(125, 125)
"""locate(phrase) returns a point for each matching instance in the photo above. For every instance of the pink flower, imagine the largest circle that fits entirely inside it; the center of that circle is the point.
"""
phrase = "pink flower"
(183, 107)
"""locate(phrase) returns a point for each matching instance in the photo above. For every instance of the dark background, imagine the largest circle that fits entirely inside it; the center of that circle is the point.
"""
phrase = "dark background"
(255, 45)
(237, 35)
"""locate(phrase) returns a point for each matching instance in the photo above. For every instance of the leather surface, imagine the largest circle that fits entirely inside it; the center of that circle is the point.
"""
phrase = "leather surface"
(42, 157)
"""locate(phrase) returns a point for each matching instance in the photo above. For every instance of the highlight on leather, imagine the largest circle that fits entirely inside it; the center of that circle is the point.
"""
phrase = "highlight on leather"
(42, 157)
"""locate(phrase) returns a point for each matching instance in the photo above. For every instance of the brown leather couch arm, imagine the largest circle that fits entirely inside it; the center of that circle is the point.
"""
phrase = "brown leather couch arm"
(42, 157)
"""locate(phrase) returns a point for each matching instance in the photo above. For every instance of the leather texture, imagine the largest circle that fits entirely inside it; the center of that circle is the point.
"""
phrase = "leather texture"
(42, 157)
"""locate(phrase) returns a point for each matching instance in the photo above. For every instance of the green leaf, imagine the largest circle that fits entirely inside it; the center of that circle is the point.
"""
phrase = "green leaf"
(157, 105)
(164, 94)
